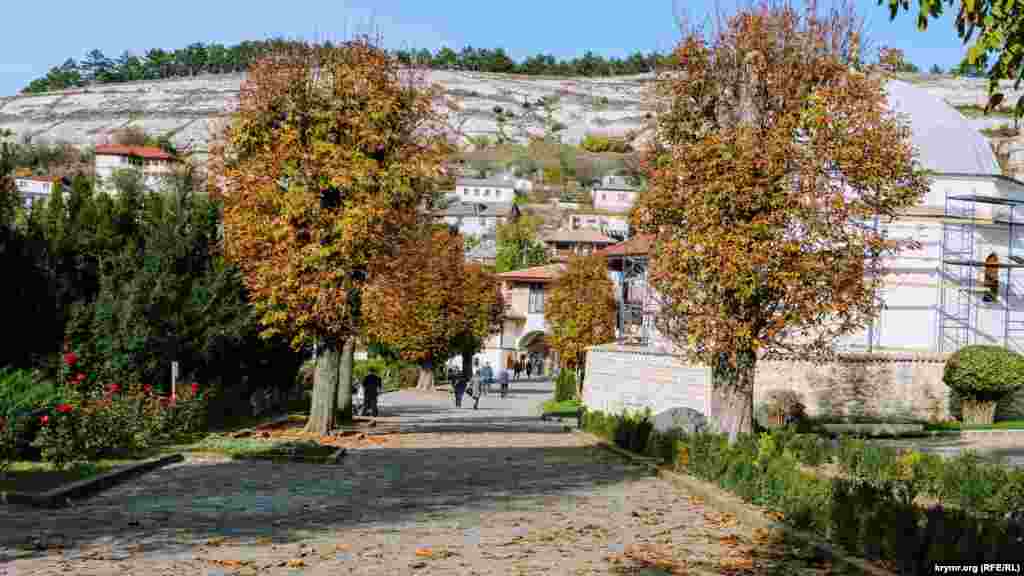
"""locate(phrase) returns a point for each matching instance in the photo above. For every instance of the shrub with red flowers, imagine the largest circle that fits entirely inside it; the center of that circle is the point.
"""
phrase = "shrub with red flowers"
(111, 420)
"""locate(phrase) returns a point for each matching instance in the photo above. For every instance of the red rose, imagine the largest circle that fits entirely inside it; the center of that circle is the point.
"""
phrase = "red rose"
(44, 419)
(114, 388)
(195, 388)
(78, 379)
(70, 359)
(147, 388)
(165, 401)
(64, 408)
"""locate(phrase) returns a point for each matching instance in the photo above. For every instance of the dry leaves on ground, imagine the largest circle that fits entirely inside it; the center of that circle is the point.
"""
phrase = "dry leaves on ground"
(650, 556)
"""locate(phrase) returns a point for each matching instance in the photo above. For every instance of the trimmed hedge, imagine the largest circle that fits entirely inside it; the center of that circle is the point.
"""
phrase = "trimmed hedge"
(984, 373)
(869, 507)
(565, 385)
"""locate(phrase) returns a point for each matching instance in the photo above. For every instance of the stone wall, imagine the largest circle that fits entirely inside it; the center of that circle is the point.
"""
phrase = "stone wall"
(882, 384)
(886, 384)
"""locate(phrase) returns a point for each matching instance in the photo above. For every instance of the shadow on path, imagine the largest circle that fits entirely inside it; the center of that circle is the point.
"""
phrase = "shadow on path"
(177, 506)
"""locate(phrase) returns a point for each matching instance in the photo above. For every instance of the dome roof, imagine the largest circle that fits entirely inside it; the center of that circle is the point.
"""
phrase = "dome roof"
(944, 140)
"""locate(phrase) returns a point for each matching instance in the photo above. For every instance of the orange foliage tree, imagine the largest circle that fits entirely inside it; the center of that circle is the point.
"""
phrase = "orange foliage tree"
(323, 168)
(415, 305)
(771, 155)
(581, 311)
(428, 304)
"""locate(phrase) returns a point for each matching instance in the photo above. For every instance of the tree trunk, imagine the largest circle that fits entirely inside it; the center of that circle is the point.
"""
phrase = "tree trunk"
(325, 390)
(426, 379)
(345, 372)
(580, 372)
(467, 364)
(732, 394)
(978, 412)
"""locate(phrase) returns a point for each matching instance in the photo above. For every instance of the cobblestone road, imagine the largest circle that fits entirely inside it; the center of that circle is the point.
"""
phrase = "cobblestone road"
(535, 501)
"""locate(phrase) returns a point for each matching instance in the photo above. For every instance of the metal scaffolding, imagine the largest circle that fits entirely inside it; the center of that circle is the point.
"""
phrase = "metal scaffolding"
(635, 319)
(959, 294)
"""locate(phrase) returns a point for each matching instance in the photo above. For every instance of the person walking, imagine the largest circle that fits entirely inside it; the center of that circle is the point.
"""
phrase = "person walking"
(529, 368)
(460, 389)
(510, 363)
(486, 377)
(503, 382)
(371, 390)
(518, 368)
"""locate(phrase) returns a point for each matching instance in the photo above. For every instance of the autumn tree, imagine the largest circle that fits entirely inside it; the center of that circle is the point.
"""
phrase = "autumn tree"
(483, 309)
(322, 169)
(581, 309)
(770, 153)
(428, 305)
(519, 245)
(414, 304)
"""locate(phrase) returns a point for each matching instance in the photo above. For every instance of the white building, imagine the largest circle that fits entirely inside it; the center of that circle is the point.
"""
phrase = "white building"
(154, 163)
(489, 190)
(477, 219)
(608, 223)
(33, 188)
(614, 194)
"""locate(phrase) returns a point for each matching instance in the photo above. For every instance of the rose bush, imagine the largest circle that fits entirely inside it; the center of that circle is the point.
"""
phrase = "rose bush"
(99, 420)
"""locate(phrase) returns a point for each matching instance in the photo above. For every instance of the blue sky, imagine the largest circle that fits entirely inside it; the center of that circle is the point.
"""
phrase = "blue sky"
(564, 28)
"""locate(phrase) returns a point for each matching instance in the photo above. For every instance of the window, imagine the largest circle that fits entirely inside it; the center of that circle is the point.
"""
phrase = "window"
(604, 197)
(622, 196)
(497, 194)
(476, 191)
(487, 192)
(536, 298)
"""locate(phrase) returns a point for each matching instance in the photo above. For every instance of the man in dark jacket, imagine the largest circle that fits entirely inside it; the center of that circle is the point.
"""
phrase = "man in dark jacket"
(371, 389)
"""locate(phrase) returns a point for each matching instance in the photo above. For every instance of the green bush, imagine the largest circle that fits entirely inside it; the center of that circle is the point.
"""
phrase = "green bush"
(870, 508)
(22, 391)
(984, 373)
(565, 385)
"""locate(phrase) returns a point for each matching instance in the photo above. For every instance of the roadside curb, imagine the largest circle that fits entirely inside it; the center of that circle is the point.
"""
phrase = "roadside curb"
(745, 512)
(62, 496)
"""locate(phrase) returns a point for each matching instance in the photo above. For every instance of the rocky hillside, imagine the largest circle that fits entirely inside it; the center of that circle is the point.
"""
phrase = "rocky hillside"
(189, 109)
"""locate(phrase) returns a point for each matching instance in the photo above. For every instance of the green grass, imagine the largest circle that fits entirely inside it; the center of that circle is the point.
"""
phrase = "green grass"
(38, 477)
(564, 409)
(974, 111)
(261, 448)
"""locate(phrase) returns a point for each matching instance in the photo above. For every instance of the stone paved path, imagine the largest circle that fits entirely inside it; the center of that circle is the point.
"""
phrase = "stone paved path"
(530, 500)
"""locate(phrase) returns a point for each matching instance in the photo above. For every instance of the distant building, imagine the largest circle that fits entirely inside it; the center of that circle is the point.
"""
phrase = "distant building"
(477, 218)
(154, 163)
(486, 252)
(583, 241)
(33, 188)
(487, 190)
(615, 194)
(612, 224)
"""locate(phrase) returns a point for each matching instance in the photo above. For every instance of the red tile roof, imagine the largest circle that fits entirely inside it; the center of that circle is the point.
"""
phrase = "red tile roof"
(546, 273)
(637, 245)
(147, 152)
(40, 178)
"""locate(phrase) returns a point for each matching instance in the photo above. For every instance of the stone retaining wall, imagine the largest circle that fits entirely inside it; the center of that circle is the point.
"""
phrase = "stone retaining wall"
(884, 384)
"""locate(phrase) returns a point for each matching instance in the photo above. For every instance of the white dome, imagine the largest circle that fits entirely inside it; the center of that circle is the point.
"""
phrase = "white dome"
(944, 139)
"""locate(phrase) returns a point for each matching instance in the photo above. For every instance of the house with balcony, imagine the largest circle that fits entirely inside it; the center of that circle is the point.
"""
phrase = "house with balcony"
(563, 243)
(614, 194)
(154, 163)
(524, 330)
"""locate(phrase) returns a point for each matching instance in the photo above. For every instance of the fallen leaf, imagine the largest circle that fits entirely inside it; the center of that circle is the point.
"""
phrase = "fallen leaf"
(264, 541)
(426, 552)
(296, 563)
(736, 563)
(730, 540)
(342, 547)
(216, 541)
(231, 563)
